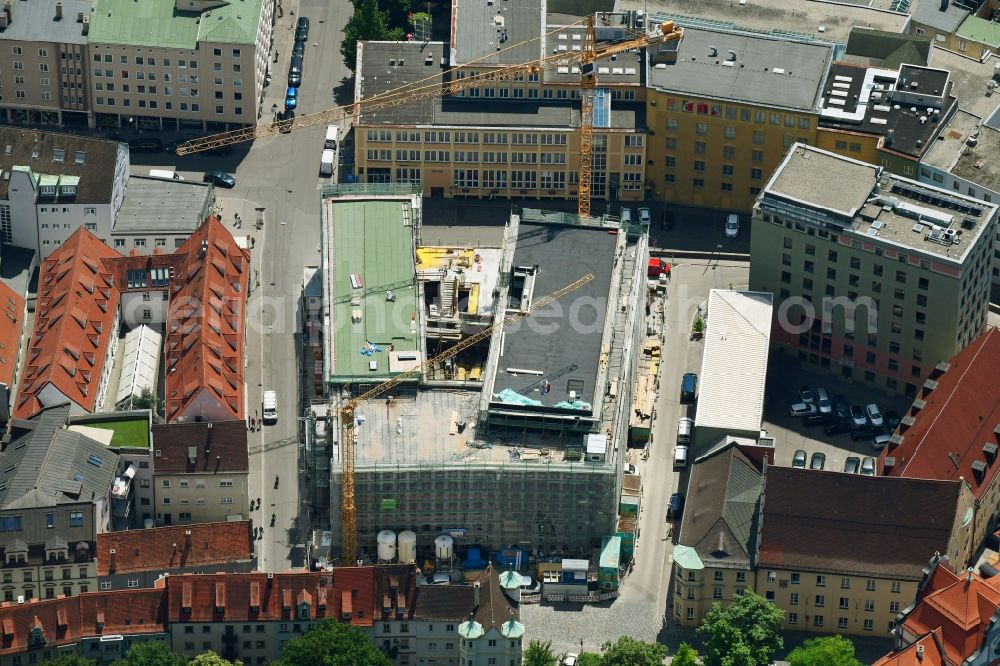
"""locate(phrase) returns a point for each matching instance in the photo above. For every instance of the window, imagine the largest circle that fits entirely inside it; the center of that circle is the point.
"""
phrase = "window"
(76, 519)
(817, 620)
(793, 599)
(869, 605)
(50, 520)
(820, 601)
(870, 585)
(893, 606)
(820, 581)
(894, 586)
(795, 579)
(845, 583)
(869, 625)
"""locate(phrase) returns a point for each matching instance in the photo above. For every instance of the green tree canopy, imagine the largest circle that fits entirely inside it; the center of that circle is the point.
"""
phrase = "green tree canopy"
(826, 651)
(330, 643)
(539, 653)
(627, 651)
(151, 653)
(589, 659)
(367, 23)
(211, 659)
(70, 660)
(685, 656)
(748, 633)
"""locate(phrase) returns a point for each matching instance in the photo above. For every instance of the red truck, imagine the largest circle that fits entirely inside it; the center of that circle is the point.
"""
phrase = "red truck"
(657, 267)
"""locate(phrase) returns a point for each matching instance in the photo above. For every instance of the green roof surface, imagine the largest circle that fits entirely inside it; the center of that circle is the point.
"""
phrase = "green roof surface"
(128, 433)
(371, 238)
(158, 23)
(980, 30)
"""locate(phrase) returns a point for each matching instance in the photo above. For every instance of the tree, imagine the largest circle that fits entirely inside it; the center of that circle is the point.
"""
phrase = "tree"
(685, 656)
(330, 643)
(70, 660)
(589, 659)
(151, 653)
(211, 659)
(145, 400)
(367, 23)
(826, 651)
(539, 653)
(748, 633)
(627, 651)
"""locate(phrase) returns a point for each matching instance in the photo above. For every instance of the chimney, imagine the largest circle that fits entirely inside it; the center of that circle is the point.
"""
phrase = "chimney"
(86, 25)
(187, 539)
(59, 11)
(969, 573)
(112, 567)
(920, 648)
(475, 591)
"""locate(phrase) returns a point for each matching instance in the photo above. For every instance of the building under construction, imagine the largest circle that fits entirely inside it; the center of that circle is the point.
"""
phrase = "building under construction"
(517, 440)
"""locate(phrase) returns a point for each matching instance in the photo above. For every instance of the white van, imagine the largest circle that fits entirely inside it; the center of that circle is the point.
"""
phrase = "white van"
(326, 163)
(332, 136)
(270, 407)
(680, 456)
(684, 427)
(163, 173)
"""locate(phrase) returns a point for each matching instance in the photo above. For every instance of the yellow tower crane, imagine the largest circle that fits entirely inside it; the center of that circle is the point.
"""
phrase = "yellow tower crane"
(432, 87)
(348, 427)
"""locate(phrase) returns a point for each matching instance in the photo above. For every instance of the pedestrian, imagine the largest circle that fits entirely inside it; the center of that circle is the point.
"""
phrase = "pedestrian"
(253, 424)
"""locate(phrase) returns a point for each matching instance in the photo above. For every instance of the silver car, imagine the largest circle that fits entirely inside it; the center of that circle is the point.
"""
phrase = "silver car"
(875, 415)
(868, 466)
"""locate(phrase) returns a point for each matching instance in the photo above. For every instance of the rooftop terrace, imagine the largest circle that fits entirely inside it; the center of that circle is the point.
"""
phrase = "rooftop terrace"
(947, 147)
(969, 79)
(371, 289)
(981, 163)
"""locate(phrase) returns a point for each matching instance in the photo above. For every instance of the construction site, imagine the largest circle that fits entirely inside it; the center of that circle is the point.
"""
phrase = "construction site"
(517, 439)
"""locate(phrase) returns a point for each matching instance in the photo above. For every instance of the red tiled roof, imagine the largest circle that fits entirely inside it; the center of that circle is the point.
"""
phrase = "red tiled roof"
(166, 548)
(925, 651)
(261, 596)
(960, 607)
(66, 620)
(850, 530)
(77, 305)
(959, 416)
(11, 325)
(205, 336)
(219, 446)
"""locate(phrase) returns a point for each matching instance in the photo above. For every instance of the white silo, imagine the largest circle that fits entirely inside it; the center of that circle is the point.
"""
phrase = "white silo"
(443, 547)
(407, 547)
(386, 546)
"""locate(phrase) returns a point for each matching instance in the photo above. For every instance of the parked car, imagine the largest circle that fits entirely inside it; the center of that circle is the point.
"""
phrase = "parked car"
(841, 407)
(291, 98)
(858, 416)
(299, 49)
(816, 419)
(302, 29)
(818, 460)
(438, 579)
(675, 505)
(801, 409)
(867, 430)
(880, 442)
(799, 458)
(836, 427)
(219, 178)
(570, 659)
(868, 466)
(852, 465)
(145, 145)
(294, 78)
(823, 401)
(645, 216)
(892, 420)
(875, 414)
(732, 226)
(689, 387)
(806, 395)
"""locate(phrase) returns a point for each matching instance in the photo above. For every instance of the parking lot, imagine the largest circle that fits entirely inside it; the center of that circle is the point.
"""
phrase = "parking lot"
(784, 377)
